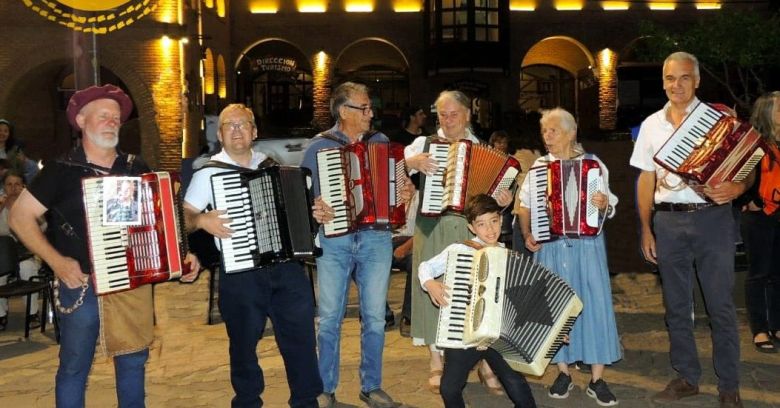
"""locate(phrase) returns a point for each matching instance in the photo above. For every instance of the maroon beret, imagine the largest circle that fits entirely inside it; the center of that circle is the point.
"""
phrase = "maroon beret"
(93, 93)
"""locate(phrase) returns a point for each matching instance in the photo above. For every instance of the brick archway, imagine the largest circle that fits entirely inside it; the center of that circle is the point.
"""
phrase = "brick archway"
(28, 69)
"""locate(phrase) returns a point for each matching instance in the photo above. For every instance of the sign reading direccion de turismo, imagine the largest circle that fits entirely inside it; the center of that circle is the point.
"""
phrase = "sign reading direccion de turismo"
(92, 16)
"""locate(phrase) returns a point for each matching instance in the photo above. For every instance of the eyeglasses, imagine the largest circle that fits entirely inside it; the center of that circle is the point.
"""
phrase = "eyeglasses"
(365, 109)
(238, 126)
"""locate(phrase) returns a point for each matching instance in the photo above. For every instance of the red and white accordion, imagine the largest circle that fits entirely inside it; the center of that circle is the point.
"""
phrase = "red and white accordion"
(711, 147)
(560, 199)
(504, 300)
(469, 169)
(127, 256)
(362, 183)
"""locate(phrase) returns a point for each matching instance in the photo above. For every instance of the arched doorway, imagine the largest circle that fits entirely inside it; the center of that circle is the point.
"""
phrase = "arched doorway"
(558, 71)
(39, 100)
(274, 79)
(381, 66)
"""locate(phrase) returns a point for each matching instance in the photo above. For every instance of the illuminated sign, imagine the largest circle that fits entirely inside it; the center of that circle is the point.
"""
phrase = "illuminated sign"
(92, 16)
(278, 64)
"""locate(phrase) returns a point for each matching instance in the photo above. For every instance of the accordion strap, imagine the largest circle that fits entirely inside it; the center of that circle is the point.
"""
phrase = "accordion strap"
(330, 136)
(473, 244)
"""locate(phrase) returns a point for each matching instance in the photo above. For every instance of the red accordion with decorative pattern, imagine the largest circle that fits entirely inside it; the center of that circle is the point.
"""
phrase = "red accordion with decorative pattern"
(127, 256)
(362, 183)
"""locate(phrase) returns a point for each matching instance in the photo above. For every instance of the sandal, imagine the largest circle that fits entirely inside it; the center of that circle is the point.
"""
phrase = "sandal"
(766, 346)
(490, 377)
(435, 388)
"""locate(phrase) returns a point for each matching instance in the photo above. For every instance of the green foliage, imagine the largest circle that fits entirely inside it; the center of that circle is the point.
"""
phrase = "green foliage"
(739, 49)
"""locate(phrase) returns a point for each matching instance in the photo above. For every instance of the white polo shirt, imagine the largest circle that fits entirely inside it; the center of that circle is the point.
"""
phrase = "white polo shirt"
(655, 131)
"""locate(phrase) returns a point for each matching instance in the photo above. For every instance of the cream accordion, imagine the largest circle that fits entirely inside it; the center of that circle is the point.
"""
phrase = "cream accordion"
(560, 199)
(127, 256)
(519, 308)
(711, 146)
(469, 169)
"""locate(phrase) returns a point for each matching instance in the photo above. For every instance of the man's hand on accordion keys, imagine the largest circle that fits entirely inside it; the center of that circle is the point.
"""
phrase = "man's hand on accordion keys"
(321, 211)
(215, 223)
(437, 292)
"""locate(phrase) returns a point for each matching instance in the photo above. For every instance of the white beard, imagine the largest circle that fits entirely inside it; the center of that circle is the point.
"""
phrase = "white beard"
(104, 143)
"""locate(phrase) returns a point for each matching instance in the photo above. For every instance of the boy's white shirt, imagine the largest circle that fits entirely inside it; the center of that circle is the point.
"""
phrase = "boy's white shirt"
(436, 266)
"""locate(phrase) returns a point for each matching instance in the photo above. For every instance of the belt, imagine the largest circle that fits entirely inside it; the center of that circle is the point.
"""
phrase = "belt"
(681, 207)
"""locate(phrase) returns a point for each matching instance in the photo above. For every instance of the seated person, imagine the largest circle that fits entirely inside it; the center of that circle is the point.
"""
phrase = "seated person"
(484, 220)
(13, 185)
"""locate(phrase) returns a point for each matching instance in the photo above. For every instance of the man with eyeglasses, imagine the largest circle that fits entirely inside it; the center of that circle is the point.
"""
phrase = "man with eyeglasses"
(368, 251)
(280, 291)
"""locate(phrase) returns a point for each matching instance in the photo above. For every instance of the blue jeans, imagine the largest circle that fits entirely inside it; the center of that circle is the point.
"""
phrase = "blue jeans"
(78, 335)
(371, 254)
(282, 293)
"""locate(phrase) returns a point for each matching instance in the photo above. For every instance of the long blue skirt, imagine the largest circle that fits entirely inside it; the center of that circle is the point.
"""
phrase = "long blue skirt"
(582, 263)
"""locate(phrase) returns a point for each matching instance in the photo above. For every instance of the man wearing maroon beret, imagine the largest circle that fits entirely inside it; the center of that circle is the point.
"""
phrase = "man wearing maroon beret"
(124, 320)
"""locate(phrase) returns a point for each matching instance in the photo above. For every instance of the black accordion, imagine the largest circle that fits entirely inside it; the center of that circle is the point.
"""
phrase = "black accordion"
(270, 213)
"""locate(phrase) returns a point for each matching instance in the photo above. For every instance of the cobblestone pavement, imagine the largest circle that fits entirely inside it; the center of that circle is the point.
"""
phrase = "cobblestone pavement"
(188, 365)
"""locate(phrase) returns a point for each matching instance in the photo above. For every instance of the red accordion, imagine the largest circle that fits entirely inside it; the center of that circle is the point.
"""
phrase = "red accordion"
(560, 199)
(362, 182)
(710, 147)
(128, 256)
(470, 169)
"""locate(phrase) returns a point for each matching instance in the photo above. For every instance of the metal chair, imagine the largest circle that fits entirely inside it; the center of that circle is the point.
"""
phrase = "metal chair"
(9, 266)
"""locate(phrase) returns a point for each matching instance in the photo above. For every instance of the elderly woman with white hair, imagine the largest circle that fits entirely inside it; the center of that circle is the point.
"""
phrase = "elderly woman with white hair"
(433, 234)
(582, 263)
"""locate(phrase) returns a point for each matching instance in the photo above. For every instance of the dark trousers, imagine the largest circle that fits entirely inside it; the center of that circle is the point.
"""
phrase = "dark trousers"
(281, 292)
(706, 238)
(458, 364)
(761, 234)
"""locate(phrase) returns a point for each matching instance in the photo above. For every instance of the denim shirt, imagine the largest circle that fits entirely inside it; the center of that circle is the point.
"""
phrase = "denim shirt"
(318, 143)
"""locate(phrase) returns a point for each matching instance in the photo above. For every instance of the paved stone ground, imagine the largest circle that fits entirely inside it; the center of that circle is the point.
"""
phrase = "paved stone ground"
(188, 366)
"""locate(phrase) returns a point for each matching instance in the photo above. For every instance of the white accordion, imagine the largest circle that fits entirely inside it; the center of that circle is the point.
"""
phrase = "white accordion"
(503, 300)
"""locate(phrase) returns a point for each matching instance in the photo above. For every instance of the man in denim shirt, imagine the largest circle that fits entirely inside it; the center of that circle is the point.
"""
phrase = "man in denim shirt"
(369, 251)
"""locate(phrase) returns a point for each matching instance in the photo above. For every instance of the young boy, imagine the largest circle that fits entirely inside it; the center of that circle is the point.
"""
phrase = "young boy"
(484, 217)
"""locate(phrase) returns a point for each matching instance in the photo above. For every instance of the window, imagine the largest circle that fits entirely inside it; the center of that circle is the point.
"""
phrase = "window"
(464, 20)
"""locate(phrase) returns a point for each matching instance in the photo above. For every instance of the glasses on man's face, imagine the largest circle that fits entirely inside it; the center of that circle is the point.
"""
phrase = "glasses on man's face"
(365, 109)
(241, 126)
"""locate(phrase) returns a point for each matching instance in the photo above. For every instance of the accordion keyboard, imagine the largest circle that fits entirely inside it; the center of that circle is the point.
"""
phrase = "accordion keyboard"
(107, 243)
(540, 218)
(234, 199)
(434, 185)
(689, 135)
(452, 317)
(333, 189)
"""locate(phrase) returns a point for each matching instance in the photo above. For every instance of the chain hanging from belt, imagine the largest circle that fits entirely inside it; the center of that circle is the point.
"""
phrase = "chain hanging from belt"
(76, 304)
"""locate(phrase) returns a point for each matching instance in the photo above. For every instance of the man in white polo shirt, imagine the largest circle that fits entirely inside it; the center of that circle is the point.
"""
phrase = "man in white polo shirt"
(682, 228)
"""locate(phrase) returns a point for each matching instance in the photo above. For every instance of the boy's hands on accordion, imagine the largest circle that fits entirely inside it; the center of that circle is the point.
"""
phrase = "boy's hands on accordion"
(437, 291)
